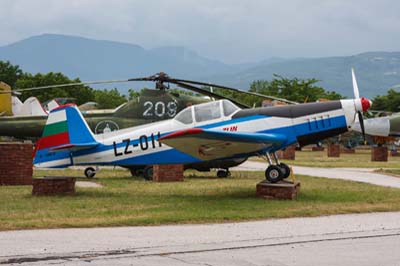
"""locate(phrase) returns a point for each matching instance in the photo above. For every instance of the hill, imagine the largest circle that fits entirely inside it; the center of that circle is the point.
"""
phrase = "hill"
(91, 59)
(97, 59)
(375, 71)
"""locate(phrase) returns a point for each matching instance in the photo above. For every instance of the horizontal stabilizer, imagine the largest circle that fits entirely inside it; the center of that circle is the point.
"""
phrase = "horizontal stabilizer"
(209, 144)
(74, 147)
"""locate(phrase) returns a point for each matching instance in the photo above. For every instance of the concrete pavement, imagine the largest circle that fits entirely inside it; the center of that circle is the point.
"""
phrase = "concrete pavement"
(366, 175)
(357, 239)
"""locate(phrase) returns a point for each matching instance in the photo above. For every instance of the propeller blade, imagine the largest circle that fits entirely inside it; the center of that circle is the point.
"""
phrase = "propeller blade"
(355, 86)
(361, 120)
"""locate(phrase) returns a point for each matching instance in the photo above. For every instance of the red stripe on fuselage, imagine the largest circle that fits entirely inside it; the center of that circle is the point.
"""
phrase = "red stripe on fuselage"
(52, 141)
(183, 132)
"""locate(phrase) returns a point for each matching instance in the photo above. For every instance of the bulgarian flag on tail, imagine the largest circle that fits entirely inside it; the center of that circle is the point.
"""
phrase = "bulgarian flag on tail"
(55, 132)
(65, 132)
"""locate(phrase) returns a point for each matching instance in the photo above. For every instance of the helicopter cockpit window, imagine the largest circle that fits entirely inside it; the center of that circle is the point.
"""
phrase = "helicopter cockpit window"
(185, 116)
(229, 107)
(207, 111)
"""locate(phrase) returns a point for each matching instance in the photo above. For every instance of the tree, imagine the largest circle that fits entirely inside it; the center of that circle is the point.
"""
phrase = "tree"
(132, 94)
(9, 73)
(107, 99)
(298, 90)
(81, 93)
(389, 102)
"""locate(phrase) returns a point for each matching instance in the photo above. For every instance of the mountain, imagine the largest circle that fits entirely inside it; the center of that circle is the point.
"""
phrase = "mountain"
(91, 59)
(96, 59)
(376, 72)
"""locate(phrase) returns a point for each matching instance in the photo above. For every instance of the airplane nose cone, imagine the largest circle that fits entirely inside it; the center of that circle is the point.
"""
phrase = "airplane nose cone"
(365, 103)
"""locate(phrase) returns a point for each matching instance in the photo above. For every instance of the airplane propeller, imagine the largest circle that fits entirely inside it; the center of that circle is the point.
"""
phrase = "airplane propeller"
(365, 103)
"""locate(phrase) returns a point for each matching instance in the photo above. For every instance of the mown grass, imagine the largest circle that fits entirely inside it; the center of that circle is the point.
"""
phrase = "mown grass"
(360, 159)
(391, 171)
(126, 201)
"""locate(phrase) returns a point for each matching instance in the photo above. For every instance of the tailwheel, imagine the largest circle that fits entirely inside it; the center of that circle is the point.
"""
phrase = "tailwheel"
(285, 170)
(274, 174)
(222, 173)
(90, 172)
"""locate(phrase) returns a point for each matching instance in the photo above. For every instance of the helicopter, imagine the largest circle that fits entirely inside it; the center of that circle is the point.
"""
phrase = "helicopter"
(151, 106)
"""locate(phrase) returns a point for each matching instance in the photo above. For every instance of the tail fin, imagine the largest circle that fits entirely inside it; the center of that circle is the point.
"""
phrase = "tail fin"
(5, 100)
(65, 131)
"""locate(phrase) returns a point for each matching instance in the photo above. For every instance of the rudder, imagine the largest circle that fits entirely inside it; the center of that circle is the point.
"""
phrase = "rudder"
(65, 131)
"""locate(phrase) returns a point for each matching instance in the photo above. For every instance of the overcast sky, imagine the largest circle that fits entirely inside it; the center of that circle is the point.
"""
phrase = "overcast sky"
(232, 31)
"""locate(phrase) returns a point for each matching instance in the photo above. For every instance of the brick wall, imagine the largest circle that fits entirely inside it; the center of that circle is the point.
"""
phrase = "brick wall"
(287, 154)
(333, 150)
(16, 163)
(281, 190)
(167, 172)
(53, 186)
(379, 154)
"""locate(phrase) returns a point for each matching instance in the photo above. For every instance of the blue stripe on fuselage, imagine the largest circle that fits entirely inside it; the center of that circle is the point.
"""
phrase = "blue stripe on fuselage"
(175, 156)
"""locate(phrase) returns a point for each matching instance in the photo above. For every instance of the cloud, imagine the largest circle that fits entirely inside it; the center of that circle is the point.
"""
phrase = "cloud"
(232, 31)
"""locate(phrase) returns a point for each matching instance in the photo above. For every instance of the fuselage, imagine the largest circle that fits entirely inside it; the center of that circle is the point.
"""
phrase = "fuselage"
(303, 123)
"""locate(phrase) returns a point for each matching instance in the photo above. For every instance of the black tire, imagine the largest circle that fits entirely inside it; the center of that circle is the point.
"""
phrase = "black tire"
(148, 173)
(222, 173)
(273, 174)
(136, 171)
(90, 172)
(285, 170)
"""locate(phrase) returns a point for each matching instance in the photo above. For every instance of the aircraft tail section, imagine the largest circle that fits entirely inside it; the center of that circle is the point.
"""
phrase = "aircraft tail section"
(65, 132)
(5, 100)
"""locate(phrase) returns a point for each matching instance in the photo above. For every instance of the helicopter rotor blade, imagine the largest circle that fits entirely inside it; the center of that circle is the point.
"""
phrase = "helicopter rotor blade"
(208, 93)
(233, 89)
(163, 77)
(66, 85)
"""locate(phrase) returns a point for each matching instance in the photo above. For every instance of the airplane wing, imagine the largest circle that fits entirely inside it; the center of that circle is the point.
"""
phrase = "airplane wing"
(209, 144)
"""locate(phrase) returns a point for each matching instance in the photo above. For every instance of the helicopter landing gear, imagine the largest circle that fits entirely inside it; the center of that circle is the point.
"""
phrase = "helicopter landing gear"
(222, 173)
(90, 172)
(276, 172)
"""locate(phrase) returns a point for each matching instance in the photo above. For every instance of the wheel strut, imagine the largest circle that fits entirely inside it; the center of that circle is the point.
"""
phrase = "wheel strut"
(275, 172)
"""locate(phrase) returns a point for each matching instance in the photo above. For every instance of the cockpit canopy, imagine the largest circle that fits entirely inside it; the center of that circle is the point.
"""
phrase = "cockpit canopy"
(206, 112)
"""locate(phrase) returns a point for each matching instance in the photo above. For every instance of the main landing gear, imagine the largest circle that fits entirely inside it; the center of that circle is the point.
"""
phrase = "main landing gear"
(222, 173)
(276, 172)
(90, 172)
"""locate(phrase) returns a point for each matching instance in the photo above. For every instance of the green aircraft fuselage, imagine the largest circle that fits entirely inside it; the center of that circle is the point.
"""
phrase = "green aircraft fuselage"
(150, 106)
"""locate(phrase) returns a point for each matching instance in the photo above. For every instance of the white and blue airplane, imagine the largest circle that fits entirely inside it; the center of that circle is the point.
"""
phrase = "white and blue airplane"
(210, 131)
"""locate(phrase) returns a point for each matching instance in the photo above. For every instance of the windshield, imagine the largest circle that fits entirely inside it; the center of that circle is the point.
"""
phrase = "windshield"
(229, 107)
(207, 111)
(185, 116)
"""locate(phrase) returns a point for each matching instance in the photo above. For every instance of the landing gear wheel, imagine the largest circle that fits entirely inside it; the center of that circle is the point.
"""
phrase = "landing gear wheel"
(222, 173)
(273, 174)
(148, 173)
(285, 170)
(136, 171)
(90, 172)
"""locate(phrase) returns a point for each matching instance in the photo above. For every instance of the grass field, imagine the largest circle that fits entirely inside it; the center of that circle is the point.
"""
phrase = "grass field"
(361, 159)
(393, 171)
(124, 201)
